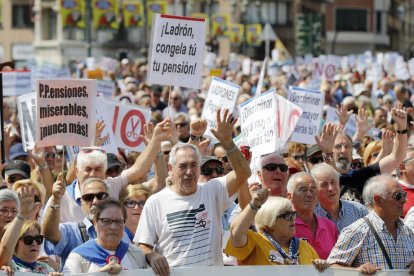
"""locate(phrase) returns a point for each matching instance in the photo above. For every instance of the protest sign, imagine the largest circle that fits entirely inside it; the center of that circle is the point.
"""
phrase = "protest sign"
(220, 25)
(350, 126)
(107, 88)
(176, 52)
(108, 64)
(128, 124)
(133, 14)
(102, 114)
(16, 83)
(26, 106)
(324, 69)
(221, 94)
(236, 33)
(253, 33)
(311, 102)
(65, 112)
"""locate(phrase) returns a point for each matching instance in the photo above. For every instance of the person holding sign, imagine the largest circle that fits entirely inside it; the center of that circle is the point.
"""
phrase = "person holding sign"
(108, 253)
(168, 213)
(274, 242)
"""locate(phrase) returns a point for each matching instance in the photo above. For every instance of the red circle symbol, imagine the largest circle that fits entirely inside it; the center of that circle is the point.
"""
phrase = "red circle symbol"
(132, 138)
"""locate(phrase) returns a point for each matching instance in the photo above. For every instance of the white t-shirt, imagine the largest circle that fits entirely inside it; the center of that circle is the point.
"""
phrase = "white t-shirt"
(72, 212)
(186, 229)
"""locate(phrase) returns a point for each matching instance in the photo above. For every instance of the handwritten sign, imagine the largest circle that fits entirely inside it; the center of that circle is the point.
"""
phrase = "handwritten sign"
(65, 112)
(16, 83)
(26, 106)
(176, 52)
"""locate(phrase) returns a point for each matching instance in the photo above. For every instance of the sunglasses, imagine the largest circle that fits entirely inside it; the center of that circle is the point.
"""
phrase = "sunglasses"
(89, 150)
(399, 196)
(209, 171)
(315, 160)
(12, 178)
(298, 157)
(357, 165)
(181, 124)
(223, 159)
(289, 215)
(50, 155)
(272, 167)
(28, 240)
(91, 197)
(132, 203)
(108, 221)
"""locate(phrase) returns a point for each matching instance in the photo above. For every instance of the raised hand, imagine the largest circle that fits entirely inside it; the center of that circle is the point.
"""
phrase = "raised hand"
(163, 130)
(387, 138)
(26, 199)
(326, 140)
(198, 127)
(363, 125)
(99, 140)
(224, 129)
(399, 115)
(259, 197)
(59, 189)
(343, 114)
(148, 133)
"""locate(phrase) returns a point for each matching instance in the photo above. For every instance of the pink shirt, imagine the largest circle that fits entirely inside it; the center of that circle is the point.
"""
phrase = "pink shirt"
(325, 238)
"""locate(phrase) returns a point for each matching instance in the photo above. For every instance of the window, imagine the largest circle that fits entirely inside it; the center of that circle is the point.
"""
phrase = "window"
(379, 22)
(351, 20)
(49, 23)
(268, 12)
(22, 16)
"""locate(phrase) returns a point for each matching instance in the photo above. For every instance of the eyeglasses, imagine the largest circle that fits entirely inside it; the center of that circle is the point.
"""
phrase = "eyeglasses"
(176, 99)
(272, 167)
(13, 178)
(89, 150)
(289, 215)
(181, 124)
(50, 155)
(209, 171)
(223, 159)
(132, 203)
(166, 152)
(315, 160)
(28, 240)
(91, 197)
(6, 211)
(108, 221)
(399, 196)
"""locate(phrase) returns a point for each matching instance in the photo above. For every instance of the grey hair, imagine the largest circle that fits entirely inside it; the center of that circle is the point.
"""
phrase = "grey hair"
(376, 185)
(276, 154)
(267, 215)
(291, 185)
(8, 195)
(180, 146)
(181, 115)
(94, 157)
(324, 169)
(89, 181)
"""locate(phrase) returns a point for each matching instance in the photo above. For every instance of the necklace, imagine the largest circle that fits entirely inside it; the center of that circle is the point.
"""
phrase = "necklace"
(292, 258)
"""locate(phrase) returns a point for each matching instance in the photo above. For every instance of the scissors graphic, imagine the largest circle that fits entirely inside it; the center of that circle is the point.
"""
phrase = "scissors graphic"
(132, 133)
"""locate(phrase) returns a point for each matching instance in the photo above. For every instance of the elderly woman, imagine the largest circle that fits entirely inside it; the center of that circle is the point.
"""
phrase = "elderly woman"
(133, 198)
(320, 232)
(108, 253)
(274, 243)
(39, 195)
(9, 203)
(340, 212)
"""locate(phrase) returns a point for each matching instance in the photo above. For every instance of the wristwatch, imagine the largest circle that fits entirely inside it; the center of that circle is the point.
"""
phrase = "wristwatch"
(404, 131)
(196, 138)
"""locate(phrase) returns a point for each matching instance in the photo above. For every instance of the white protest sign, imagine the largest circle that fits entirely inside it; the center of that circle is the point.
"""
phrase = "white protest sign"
(65, 112)
(221, 94)
(26, 106)
(107, 88)
(411, 66)
(311, 102)
(258, 123)
(108, 64)
(176, 52)
(261, 77)
(325, 69)
(16, 83)
(102, 114)
(350, 126)
(246, 66)
(128, 124)
(401, 70)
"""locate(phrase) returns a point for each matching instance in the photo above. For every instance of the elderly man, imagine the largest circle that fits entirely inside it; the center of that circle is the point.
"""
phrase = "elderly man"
(181, 225)
(320, 232)
(359, 246)
(341, 212)
(273, 174)
(92, 162)
(337, 151)
(211, 168)
(62, 238)
(406, 179)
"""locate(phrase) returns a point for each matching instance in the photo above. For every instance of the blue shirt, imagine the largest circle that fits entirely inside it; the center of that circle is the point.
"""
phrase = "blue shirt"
(349, 212)
(70, 237)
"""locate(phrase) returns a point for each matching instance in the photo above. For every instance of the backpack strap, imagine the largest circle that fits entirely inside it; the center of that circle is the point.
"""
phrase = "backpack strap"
(379, 241)
(84, 233)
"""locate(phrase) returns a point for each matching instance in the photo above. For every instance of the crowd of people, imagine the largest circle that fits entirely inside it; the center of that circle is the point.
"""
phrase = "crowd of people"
(346, 201)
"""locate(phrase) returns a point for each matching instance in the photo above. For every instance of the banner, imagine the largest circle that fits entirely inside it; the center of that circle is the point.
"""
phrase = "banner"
(128, 124)
(102, 114)
(221, 94)
(65, 112)
(107, 88)
(286, 270)
(16, 83)
(311, 102)
(154, 7)
(236, 33)
(105, 14)
(176, 52)
(133, 14)
(220, 24)
(253, 33)
(26, 107)
(72, 13)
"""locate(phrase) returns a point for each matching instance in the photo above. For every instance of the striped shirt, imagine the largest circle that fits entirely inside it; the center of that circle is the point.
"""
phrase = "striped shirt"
(349, 212)
(357, 245)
